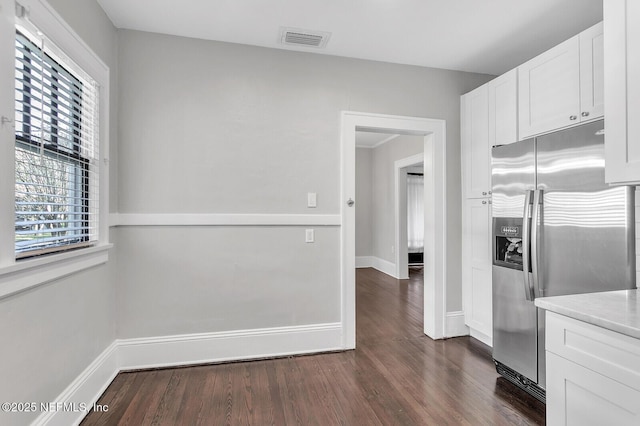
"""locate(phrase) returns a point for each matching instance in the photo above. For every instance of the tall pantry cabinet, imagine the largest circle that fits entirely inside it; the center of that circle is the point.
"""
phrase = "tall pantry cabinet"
(476, 189)
(488, 117)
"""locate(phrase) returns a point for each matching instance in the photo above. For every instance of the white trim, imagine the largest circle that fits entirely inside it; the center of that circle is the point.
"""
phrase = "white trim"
(85, 389)
(382, 142)
(228, 346)
(434, 132)
(487, 340)
(168, 351)
(229, 219)
(385, 267)
(30, 273)
(455, 325)
(402, 257)
(49, 21)
(367, 261)
(7, 133)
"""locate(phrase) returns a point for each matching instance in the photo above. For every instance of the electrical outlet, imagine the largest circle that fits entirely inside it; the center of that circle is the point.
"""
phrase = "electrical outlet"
(309, 235)
(311, 200)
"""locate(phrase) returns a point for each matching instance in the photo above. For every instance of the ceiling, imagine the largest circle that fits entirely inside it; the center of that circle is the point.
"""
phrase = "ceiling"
(486, 36)
(372, 139)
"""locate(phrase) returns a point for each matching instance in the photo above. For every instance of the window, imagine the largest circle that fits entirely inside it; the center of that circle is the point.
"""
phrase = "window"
(56, 150)
(54, 137)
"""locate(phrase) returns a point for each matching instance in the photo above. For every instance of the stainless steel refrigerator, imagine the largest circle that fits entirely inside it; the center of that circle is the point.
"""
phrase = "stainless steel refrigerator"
(557, 229)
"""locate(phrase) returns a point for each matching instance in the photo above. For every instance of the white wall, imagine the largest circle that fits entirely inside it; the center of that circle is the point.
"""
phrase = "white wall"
(210, 127)
(211, 279)
(51, 333)
(637, 223)
(364, 204)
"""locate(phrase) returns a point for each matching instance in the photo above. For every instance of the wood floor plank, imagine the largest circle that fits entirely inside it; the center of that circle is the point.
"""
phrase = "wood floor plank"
(144, 405)
(396, 375)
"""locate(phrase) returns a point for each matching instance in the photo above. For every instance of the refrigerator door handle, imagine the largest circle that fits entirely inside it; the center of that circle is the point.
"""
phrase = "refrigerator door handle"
(526, 244)
(535, 241)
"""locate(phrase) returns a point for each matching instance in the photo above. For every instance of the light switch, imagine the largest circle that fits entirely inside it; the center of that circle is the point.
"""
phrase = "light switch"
(311, 199)
(309, 236)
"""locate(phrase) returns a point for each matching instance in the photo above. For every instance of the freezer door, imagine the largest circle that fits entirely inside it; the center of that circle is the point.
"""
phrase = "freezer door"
(514, 317)
(515, 331)
(512, 175)
(585, 234)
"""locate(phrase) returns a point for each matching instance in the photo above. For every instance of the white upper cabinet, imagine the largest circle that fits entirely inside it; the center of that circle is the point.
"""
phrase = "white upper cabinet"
(549, 88)
(476, 151)
(592, 72)
(622, 88)
(563, 86)
(503, 109)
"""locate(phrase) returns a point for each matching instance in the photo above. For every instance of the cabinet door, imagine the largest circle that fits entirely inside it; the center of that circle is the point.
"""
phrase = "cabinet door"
(476, 265)
(592, 73)
(577, 395)
(503, 109)
(476, 152)
(549, 90)
(622, 89)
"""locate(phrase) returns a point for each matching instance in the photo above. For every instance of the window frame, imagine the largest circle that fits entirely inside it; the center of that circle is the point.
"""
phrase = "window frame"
(51, 148)
(17, 275)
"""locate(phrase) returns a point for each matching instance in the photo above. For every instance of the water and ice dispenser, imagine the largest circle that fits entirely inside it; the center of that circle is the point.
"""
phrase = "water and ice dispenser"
(507, 242)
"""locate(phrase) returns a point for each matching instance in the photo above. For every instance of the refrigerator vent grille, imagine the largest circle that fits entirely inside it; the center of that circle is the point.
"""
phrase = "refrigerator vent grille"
(521, 381)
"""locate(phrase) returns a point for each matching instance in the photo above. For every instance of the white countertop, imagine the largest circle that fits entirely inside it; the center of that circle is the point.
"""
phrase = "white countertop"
(615, 310)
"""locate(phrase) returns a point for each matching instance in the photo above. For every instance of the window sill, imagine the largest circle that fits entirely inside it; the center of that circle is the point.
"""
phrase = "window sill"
(30, 273)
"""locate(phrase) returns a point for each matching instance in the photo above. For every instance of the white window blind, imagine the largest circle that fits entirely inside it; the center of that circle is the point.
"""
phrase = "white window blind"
(56, 149)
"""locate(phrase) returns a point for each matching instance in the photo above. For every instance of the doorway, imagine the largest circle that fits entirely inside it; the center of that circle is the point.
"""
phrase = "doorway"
(433, 133)
(402, 169)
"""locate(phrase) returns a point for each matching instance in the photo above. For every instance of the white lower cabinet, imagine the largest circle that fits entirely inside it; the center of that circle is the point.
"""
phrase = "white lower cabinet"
(593, 374)
(476, 268)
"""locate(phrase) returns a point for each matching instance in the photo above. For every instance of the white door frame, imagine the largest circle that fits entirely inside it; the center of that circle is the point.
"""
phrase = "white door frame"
(435, 251)
(402, 258)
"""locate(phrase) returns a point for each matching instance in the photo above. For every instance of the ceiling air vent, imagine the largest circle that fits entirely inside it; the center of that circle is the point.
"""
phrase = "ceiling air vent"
(298, 37)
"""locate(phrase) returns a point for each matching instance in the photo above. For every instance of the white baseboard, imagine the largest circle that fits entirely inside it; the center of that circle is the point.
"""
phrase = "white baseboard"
(454, 324)
(374, 262)
(202, 348)
(364, 261)
(72, 405)
(168, 351)
(487, 340)
(385, 266)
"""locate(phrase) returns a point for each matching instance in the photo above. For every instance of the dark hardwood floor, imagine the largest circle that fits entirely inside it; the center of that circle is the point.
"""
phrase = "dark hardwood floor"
(396, 375)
